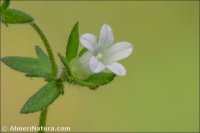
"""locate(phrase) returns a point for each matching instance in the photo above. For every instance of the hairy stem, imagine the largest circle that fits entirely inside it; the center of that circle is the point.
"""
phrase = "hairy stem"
(48, 48)
(54, 67)
(43, 118)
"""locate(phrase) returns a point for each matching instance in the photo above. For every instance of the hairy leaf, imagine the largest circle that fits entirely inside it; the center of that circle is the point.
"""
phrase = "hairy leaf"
(41, 54)
(5, 4)
(33, 67)
(13, 16)
(73, 43)
(96, 80)
(43, 98)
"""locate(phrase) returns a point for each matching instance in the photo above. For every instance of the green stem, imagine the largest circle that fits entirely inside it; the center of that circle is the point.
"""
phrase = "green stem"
(43, 114)
(43, 118)
(48, 48)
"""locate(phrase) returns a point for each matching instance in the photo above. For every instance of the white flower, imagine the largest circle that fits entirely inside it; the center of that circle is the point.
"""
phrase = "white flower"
(103, 53)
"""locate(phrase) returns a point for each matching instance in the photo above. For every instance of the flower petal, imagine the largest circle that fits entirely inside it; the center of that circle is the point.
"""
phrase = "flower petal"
(84, 61)
(117, 68)
(118, 52)
(95, 65)
(89, 41)
(85, 58)
(106, 37)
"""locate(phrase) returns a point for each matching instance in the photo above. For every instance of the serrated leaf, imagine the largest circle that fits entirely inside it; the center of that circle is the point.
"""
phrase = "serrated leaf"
(73, 43)
(13, 16)
(43, 98)
(96, 80)
(5, 4)
(33, 67)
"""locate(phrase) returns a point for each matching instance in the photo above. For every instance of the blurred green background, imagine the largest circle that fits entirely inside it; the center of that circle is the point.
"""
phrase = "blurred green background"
(161, 89)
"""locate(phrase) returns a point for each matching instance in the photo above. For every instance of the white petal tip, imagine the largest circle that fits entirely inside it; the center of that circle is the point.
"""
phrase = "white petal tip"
(88, 41)
(106, 25)
(121, 74)
(117, 69)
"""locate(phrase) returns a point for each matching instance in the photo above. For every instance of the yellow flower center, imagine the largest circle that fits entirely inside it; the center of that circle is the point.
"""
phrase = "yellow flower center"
(99, 55)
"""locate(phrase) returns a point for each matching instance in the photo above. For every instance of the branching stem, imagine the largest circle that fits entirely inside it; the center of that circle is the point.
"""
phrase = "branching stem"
(54, 67)
(48, 48)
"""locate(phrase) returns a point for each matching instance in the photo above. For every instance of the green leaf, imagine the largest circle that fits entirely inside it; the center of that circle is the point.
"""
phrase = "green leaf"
(13, 16)
(41, 54)
(5, 4)
(33, 67)
(65, 63)
(73, 43)
(96, 80)
(43, 98)
(82, 52)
